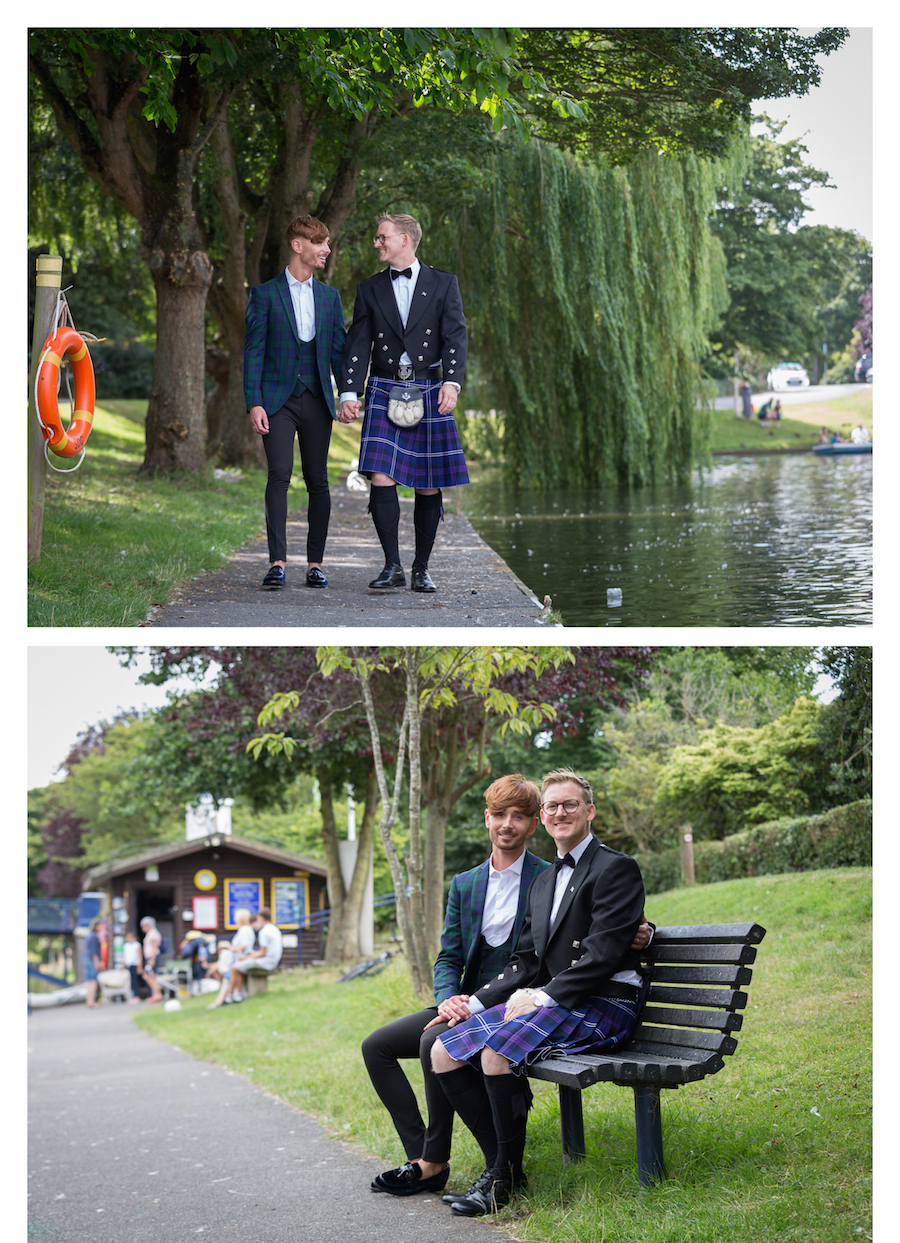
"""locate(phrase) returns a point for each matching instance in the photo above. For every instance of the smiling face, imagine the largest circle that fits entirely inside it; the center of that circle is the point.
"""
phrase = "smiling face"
(509, 830)
(392, 247)
(311, 255)
(567, 828)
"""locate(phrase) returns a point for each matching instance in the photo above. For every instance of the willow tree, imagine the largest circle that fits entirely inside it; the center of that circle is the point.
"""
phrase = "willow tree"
(590, 290)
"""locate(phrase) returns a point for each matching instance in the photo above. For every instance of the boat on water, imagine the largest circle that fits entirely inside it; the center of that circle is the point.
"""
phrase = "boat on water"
(838, 450)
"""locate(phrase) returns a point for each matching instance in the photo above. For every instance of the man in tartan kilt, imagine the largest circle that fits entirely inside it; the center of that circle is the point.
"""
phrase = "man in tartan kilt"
(573, 986)
(408, 330)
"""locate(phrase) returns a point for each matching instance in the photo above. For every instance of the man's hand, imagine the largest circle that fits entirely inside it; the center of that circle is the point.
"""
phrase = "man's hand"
(451, 1011)
(348, 411)
(259, 420)
(447, 398)
(644, 933)
(516, 1008)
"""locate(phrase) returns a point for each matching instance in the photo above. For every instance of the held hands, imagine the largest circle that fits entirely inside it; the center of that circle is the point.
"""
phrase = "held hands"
(451, 1011)
(348, 411)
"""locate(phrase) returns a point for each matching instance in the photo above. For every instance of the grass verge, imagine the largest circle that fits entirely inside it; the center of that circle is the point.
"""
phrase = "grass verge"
(116, 543)
(777, 1146)
(798, 428)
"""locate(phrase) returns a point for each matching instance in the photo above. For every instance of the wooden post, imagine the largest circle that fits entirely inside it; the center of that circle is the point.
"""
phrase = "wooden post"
(686, 842)
(48, 282)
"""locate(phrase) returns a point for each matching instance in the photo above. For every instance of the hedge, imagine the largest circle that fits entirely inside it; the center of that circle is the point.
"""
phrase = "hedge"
(841, 837)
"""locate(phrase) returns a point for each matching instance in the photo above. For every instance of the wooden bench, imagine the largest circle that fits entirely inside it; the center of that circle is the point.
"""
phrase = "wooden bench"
(687, 1025)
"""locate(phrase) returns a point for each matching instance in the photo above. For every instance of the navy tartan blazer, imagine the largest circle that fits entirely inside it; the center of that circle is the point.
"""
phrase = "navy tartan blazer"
(462, 924)
(271, 345)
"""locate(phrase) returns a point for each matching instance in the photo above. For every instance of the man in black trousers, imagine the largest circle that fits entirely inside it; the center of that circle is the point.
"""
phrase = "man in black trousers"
(409, 337)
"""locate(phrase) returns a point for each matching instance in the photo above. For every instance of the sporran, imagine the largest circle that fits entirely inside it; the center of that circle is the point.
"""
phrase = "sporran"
(406, 405)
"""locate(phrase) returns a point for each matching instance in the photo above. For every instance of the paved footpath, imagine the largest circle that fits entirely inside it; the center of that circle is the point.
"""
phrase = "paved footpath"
(475, 587)
(132, 1141)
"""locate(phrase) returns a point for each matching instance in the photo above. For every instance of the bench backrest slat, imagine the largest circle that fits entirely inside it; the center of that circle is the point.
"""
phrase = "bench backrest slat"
(744, 954)
(711, 934)
(665, 973)
(646, 1034)
(720, 1020)
(721, 998)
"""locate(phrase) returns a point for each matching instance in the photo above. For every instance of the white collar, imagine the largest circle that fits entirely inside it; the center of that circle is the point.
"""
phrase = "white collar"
(292, 280)
(577, 851)
(413, 267)
(515, 869)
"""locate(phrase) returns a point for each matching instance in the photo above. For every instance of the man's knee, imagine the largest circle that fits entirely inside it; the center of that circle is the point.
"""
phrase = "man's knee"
(441, 1061)
(494, 1063)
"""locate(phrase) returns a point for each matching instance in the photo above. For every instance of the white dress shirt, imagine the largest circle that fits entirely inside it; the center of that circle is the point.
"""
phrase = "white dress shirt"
(304, 305)
(501, 901)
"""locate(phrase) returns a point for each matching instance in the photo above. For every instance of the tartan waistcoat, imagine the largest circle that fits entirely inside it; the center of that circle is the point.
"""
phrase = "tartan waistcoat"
(307, 371)
(488, 963)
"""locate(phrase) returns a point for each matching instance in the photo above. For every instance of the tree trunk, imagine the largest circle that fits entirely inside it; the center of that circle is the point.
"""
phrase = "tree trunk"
(414, 862)
(176, 418)
(355, 896)
(334, 946)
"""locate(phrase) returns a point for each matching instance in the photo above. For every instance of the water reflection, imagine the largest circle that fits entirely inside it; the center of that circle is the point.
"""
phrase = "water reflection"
(755, 541)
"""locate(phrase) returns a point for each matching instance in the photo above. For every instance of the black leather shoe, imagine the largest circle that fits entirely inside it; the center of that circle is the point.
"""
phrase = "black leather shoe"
(494, 1193)
(483, 1181)
(315, 577)
(421, 581)
(274, 578)
(390, 576)
(407, 1180)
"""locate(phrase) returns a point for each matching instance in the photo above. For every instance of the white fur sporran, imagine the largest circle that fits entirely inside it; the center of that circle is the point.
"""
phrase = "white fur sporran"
(406, 405)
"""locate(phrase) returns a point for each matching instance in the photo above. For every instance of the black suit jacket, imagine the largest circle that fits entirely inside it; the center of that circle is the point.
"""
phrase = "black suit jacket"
(435, 328)
(591, 938)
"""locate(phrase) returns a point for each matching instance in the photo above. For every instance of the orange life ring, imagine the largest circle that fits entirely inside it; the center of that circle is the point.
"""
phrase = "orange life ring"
(65, 442)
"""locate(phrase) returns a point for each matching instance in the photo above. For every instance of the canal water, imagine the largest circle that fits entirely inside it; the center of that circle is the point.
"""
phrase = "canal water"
(782, 540)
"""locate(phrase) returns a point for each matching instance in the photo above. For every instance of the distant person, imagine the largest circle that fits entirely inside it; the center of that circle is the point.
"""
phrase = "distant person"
(775, 412)
(746, 393)
(194, 949)
(837, 438)
(860, 435)
(824, 436)
(242, 943)
(132, 958)
(266, 956)
(152, 958)
(93, 955)
(294, 344)
(763, 413)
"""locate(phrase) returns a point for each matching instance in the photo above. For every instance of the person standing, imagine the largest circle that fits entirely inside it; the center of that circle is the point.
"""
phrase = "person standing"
(152, 952)
(92, 962)
(132, 959)
(573, 986)
(409, 336)
(294, 343)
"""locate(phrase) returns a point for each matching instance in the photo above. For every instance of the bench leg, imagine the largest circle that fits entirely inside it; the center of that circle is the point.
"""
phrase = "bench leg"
(648, 1127)
(572, 1123)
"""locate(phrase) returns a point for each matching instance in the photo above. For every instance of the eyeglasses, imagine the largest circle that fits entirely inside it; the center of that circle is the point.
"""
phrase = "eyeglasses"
(381, 238)
(569, 804)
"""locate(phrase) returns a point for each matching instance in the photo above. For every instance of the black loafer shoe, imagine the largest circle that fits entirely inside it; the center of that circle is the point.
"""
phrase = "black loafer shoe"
(421, 581)
(274, 578)
(315, 577)
(407, 1180)
(494, 1195)
(390, 576)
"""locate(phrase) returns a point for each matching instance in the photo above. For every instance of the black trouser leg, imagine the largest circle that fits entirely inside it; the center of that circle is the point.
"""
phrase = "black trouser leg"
(510, 1099)
(307, 417)
(426, 516)
(467, 1094)
(382, 1051)
(384, 506)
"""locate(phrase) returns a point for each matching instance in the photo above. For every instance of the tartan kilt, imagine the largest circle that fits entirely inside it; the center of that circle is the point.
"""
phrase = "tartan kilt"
(428, 455)
(599, 1025)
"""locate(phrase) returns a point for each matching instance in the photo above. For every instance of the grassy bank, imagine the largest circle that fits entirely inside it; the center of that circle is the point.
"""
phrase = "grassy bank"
(798, 428)
(115, 542)
(775, 1147)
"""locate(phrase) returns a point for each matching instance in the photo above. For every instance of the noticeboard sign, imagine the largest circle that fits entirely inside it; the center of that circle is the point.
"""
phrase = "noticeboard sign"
(290, 901)
(241, 891)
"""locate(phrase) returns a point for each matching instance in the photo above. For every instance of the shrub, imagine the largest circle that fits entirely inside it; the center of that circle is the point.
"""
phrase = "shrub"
(841, 837)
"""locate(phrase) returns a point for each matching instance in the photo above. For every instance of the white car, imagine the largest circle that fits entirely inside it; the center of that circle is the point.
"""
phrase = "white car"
(787, 376)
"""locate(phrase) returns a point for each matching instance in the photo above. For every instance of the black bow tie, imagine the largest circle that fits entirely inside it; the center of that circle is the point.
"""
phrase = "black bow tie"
(395, 273)
(565, 862)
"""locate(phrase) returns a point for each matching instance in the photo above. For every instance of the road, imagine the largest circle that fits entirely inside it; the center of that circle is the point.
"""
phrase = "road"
(797, 396)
